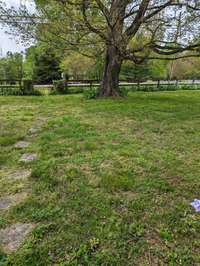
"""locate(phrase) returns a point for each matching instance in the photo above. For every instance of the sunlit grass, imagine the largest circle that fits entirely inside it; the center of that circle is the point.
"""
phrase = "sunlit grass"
(113, 181)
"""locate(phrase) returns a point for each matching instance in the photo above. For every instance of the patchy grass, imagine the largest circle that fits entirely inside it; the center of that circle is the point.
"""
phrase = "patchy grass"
(112, 182)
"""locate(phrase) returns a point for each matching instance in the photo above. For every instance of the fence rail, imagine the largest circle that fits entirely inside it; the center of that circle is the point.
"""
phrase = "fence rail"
(96, 83)
(9, 84)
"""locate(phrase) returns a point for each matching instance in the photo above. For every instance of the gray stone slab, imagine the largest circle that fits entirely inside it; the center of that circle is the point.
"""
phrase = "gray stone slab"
(12, 237)
(22, 144)
(28, 157)
(19, 174)
(33, 130)
(11, 200)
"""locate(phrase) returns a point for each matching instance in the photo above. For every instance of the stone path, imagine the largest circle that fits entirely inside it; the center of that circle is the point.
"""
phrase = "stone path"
(19, 174)
(28, 157)
(11, 200)
(22, 144)
(13, 236)
(33, 130)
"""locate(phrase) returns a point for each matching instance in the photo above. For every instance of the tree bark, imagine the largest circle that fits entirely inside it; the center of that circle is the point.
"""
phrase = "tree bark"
(110, 82)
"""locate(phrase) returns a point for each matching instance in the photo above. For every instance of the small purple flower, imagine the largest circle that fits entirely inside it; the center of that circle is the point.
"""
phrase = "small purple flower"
(196, 205)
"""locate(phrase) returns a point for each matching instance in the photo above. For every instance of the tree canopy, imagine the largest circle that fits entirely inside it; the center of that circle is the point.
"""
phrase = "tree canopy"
(120, 29)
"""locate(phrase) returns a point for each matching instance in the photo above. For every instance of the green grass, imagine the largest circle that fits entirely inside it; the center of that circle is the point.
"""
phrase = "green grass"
(113, 181)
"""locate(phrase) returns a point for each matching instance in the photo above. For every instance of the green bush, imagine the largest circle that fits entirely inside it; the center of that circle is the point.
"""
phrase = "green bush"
(170, 87)
(188, 87)
(147, 88)
(35, 93)
(133, 88)
(123, 91)
(28, 89)
(75, 90)
(90, 93)
(59, 87)
(151, 88)
(5, 91)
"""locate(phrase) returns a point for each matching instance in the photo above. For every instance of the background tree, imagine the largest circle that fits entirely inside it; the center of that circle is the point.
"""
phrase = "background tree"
(77, 66)
(134, 72)
(158, 69)
(42, 64)
(186, 68)
(112, 25)
(11, 66)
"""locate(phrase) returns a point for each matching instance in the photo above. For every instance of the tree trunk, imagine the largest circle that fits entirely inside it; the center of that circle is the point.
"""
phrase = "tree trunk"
(110, 82)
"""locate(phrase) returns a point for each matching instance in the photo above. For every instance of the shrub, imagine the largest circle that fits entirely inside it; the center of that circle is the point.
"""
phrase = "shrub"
(8, 91)
(133, 88)
(187, 87)
(35, 93)
(147, 88)
(168, 87)
(59, 87)
(13, 90)
(90, 93)
(123, 91)
(75, 90)
(151, 88)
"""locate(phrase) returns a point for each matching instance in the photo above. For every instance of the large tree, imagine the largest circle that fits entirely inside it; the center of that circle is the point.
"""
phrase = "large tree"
(168, 29)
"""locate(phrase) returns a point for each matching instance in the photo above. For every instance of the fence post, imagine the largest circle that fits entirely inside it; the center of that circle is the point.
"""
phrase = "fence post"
(138, 84)
(28, 87)
(65, 78)
(158, 84)
(20, 84)
(65, 83)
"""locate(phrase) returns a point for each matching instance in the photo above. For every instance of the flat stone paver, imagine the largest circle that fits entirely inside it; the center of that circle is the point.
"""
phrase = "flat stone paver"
(42, 119)
(11, 200)
(22, 144)
(19, 174)
(28, 157)
(33, 130)
(12, 237)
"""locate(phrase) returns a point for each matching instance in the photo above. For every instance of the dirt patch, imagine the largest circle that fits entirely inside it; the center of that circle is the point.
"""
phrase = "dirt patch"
(28, 157)
(12, 237)
(11, 200)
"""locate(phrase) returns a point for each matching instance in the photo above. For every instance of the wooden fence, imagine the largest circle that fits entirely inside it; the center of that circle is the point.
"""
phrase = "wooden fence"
(126, 83)
(5, 83)
(9, 84)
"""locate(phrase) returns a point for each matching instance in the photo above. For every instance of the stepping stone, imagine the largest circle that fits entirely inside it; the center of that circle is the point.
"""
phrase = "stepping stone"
(19, 174)
(33, 130)
(22, 144)
(12, 237)
(11, 200)
(28, 157)
(42, 119)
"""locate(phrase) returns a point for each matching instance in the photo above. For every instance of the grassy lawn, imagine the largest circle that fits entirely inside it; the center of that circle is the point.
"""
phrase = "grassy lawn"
(112, 183)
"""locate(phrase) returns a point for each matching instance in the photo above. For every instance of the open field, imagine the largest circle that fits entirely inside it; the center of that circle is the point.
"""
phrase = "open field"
(112, 182)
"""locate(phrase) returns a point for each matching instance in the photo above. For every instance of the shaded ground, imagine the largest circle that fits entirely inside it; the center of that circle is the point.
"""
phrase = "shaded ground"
(112, 181)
